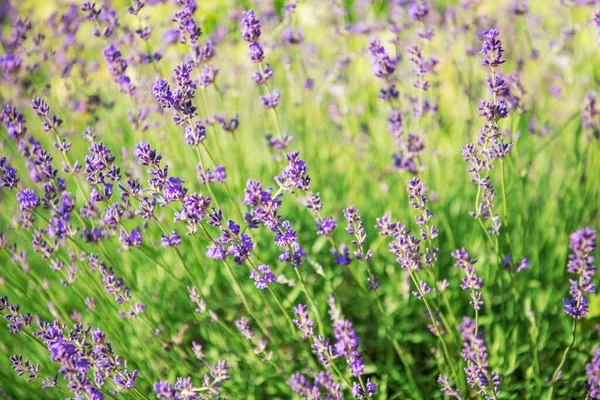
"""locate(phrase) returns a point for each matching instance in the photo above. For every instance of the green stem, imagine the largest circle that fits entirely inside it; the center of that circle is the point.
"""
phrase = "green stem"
(563, 359)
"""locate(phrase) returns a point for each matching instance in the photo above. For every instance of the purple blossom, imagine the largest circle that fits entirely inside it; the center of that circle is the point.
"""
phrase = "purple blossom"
(28, 201)
(262, 276)
(325, 226)
(492, 49)
(383, 65)
(14, 122)
(303, 322)
(475, 354)
(131, 239)
(295, 174)
(173, 240)
(592, 369)
(250, 27)
(271, 100)
(582, 243)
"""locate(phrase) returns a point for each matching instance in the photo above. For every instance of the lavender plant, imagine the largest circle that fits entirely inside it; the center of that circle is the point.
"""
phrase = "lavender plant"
(152, 246)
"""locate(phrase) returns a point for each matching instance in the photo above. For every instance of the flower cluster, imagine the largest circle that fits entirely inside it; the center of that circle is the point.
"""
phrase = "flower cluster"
(404, 245)
(179, 98)
(418, 200)
(265, 205)
(322, 386)
(115, 286)
(251, 33)
(475, 354)
(583, 244)
(383, 65)
(490, 143)
(471, 281)
(85, 358)
(14, 122)
(421, 67)
(592, 369)
(117, 67)
(185, 389)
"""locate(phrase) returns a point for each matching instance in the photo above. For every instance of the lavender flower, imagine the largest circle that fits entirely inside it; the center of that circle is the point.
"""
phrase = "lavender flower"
(447, 388)
(271, 100)
(474, 353)
(590, 113)
(117, 67)
(592, 369)
(262, 276)
(471, 282)
(490, 143)
(131, 239)
(295, 174)
(211, 383)
(356, 228)
(322, 385)
(492, 49)
(250, 27)
(80, 352)
(8, 175)
(28, 201)
(14, 122)
(173, 240)
(383, 65)
(582, 243)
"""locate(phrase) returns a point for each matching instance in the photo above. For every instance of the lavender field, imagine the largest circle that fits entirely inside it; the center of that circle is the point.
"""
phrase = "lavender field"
(311, 199)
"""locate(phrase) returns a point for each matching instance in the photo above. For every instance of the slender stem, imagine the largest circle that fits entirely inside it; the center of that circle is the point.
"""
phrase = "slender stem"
(433, 321)
(310, 300)
(505, 206)
(563, 359)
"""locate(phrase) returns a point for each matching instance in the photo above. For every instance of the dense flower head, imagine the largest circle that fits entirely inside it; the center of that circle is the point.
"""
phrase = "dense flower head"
(295, 174)
(250, 27)
(356, 228)
(418, 10)
(492, 49)
(383, 65)
(592, 370)
(590, 113)
(14, 122)
(131, 239)
(347, 342)
(257, 54)
(85, 358)
(358, 392)
(28, 200)
(117, 67)
(323, 386)
(262, 276)
(325, 226)
(8, 175)
(187, 29)
(404, 245)
(303, 321)
(475, 354)
(147, 156)
(40, 107)
(271, 100)
(581, 262)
